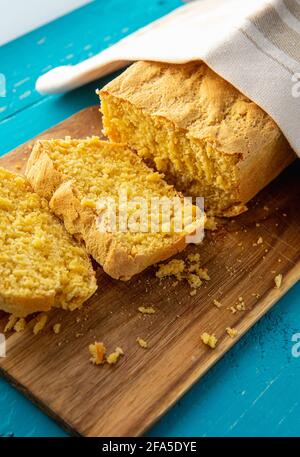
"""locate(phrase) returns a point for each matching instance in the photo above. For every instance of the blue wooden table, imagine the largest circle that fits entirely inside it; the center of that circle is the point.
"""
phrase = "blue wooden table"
(254, 389)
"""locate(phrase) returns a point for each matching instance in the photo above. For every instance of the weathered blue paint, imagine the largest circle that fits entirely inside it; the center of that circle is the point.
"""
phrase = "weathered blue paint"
(254, 389)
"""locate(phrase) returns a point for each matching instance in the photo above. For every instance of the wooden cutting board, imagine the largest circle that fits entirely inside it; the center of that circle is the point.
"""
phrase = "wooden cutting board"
(125, 399)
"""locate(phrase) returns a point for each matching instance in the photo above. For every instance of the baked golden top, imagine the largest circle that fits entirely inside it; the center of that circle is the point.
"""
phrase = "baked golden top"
(199, 101)
(39, 260)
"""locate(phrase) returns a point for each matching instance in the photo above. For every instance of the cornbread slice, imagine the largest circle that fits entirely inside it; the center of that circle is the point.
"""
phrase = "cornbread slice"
(74, 175)
(41, 265)
(205, 136)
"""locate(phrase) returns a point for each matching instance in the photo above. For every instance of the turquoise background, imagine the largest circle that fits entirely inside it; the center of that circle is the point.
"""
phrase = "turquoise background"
(254, 389)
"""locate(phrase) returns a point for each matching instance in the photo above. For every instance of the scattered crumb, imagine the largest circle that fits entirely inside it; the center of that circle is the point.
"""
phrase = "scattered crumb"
(189, 270)
(232, 309)
(209, 340)
(232, 332)
(97, 351)
(146, 310)
(210, 223)
(278, 281)
(78, 335)
(20, 325)
(241, 299)
(260, 240)
(142, 343)
(257, 224)
(114, 356)
(193, 257)
(173, 268)
(56, 328)
(241, 306)
(78, 319)
(10, 323)
(266, 208)
(193, 292)
(40, 324)
(217, 304)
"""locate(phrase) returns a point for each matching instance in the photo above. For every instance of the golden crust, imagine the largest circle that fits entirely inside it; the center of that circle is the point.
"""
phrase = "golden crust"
(203, 104)
(207, 108)
(81, 221)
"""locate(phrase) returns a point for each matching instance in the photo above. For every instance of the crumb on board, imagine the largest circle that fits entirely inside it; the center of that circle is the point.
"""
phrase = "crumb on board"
(40, 323)
(260, 240)
(57, 328)
(278, 281)
(193, 292)
(142, 342)
(233, 309)
(210, 223)
(209, 340)
(146, 309)
(20, 325)
(217, 303)
(232, 332)
(114, 356)
(189, 270)
(97, 351)
(10, 323)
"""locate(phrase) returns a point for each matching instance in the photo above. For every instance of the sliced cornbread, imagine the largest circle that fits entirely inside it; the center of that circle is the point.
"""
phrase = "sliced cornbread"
(205, 136)
(77, 175)
(41, 265)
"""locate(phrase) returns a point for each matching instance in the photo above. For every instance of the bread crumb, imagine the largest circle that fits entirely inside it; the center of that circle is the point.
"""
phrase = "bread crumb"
(193, 292)
(56, 328)
(232, 332)
(257, 224)
(20, 325)
(142, 343)
(217, 303)
(173, 268)
(97, 351)
(40, 324)
(209, 340)
(210, 223)
(146, 310)
(278, 281)
(233, 310)
(193, 257)
(194, 280)
(114, 356)
(241, 306)
(260, 240)
(10, 323)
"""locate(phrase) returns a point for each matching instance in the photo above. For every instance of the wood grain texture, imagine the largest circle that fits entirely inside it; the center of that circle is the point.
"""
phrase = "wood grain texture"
(125, 399)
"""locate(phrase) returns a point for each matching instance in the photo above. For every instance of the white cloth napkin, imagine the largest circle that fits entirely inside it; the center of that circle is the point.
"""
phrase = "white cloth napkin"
(253, 44)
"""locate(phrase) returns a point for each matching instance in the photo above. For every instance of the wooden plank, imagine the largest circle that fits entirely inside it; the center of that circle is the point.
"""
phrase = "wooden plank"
(54, 370)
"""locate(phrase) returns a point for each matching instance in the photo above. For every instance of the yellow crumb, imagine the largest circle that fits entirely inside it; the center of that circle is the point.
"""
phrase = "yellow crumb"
(278, 281)
(56, 328)
(241, 299)
(232, 332)
(114, 356)
(20, 325)
(260, 240)
(209, 340)
(241, 306)
(217, 303)
(97, 351)
(40, 324)
(232, 309)
(210, 223)
(193, 292)
(146, 310)
(172, 268)
(142, 343)
(193, 257)
(194, 280)
(10, 323)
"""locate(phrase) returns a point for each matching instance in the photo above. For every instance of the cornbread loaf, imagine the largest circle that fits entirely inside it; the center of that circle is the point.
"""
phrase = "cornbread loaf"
(205, 136)
(41, 265)
(74, 175)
